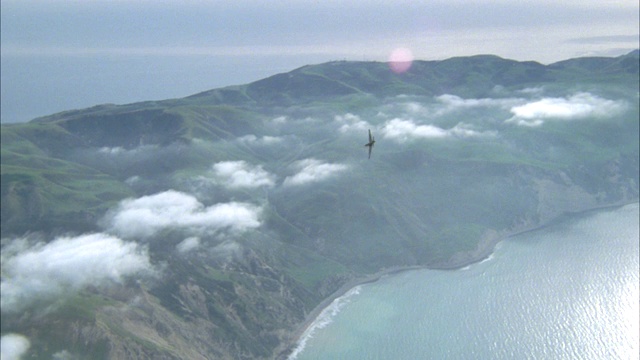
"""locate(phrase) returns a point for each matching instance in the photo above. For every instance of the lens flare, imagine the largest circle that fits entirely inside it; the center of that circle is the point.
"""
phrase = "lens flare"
(400, 60)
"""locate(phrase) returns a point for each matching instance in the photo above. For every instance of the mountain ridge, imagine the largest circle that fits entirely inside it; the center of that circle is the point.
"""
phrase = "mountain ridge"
(237, 94)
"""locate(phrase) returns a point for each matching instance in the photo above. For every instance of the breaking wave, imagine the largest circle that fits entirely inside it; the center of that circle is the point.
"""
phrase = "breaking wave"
(325, 318)
(487, 259)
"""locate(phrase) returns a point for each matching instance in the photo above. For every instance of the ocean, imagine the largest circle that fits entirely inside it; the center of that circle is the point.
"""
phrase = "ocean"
(567, 291)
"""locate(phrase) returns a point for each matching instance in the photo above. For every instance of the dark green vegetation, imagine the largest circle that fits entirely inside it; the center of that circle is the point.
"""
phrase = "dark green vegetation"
(436, 196)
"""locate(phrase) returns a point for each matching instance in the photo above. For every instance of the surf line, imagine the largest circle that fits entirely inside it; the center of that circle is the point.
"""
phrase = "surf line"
(324, 318)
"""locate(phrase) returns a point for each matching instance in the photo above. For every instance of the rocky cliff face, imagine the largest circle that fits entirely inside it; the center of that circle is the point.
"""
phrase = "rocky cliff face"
(243, 312)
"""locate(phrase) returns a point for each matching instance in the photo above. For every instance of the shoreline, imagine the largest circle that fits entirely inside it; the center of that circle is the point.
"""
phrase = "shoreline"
(486, 247)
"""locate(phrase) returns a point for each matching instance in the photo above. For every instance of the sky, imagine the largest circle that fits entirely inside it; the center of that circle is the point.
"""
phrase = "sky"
(59, 55)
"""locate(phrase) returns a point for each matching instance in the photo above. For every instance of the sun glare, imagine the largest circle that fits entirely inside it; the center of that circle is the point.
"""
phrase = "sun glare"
(400, 60)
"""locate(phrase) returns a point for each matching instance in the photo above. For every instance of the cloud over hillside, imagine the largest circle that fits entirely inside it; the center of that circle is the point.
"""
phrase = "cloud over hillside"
(350, 122)
(404, 129)
(145, 216)
(454, 102)
(41, 272)
(13, 346)
(188, 244)
(263, 140)
(578, 106)
(240, 174)
(312, 170)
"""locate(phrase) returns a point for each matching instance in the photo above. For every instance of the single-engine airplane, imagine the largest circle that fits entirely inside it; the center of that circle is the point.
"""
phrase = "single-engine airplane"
(372, 141)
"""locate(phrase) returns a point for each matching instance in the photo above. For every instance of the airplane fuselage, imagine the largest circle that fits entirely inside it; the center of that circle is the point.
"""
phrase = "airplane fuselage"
(370, 144)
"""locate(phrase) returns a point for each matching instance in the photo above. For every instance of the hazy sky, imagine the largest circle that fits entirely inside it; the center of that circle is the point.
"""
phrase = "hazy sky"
(64, 54)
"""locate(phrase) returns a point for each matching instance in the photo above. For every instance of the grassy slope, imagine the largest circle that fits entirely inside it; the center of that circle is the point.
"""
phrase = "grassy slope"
(42, 192)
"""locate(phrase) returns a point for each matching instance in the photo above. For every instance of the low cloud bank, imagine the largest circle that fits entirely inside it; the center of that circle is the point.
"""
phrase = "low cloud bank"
(578, 106)
(454, 102)
(13, 346)
(145, 216)
(240, 174)
(42, 272)
(444, 104)
(403, 130)
(312, 170)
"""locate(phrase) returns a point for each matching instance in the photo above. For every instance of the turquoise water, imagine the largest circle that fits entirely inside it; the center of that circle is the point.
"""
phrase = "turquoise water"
(569, 291)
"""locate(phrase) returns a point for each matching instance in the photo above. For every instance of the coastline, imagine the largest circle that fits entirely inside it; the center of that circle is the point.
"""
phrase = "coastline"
(311, 317)
(486, 247)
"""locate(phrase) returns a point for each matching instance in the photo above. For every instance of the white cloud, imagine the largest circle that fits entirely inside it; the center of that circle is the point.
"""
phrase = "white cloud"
(44, 271)
(188, 244)
(312, 170)
(239, 174)
(414, 107)
(265, 140)
(111, 151)
(279, 120)
(463, 130)
(13, 346)
(456, 101)
(453, 102)
(120, 151)
(403, 130)
(145, 216)
(423, 108)
(268, 140)
(578, 106)
(350, 122)
(532, 91)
